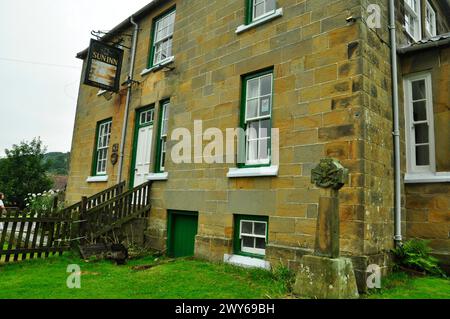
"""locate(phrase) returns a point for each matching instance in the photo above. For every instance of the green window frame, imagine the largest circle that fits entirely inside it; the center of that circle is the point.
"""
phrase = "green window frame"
(162, 38)
(161, 150)
(251, 234)
(101, 147)
(256, 117)
(258, 9)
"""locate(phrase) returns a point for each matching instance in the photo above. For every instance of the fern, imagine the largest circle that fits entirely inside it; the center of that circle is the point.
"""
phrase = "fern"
(415, 254)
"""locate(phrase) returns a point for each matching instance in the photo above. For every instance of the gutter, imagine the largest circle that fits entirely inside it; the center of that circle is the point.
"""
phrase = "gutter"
(128, 101)
(424, 46)
(397, 165)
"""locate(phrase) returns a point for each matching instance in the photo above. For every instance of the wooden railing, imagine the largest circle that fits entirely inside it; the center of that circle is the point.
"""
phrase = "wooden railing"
(112, 214)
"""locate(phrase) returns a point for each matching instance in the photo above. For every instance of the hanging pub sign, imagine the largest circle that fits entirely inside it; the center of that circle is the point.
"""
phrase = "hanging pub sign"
(103, 66)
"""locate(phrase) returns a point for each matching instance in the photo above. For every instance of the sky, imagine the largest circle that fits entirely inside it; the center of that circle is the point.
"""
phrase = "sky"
(39, 74)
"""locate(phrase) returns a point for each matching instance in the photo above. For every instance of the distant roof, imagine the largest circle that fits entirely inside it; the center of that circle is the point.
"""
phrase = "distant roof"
(434, 42)
(126, 23)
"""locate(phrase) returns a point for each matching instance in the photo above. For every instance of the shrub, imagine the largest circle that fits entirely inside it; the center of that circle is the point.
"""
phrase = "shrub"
(415, 254)
(42, 202)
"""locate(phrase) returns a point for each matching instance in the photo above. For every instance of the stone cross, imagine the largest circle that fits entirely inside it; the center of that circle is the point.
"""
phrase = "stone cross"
(331, 176)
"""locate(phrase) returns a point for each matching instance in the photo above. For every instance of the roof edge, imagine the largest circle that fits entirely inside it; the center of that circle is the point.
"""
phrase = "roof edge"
(125, 23)
(436, 42)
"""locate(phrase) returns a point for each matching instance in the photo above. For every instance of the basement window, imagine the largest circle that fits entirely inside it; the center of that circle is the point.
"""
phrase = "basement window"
(412, 19)
(251, 235)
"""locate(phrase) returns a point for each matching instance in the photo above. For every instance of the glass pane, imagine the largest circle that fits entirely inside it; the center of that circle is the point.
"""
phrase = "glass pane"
(420, 111)
(247, 228)
(252, 109)
(263, 149)
(260, 243)
(421, 132)
(265, 128)
(260, 229)
(253, 130)
(270, 5)
(266, 85)
(259, 10)
(418, 89)
(423, 155)
(252, 89)
(252, 151)
(248, 242)
(265, 105)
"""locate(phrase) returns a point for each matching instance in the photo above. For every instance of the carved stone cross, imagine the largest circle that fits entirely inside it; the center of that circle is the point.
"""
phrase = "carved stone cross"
(331, 176)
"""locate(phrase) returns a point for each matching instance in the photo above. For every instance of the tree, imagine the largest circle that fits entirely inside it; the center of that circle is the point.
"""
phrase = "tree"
(24, 171)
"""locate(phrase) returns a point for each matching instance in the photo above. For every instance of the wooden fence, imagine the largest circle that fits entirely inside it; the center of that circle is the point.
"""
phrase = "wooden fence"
(35, 235)
(27, 236)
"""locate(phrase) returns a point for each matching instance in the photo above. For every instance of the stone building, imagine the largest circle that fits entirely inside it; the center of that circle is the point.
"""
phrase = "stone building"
(317, 71)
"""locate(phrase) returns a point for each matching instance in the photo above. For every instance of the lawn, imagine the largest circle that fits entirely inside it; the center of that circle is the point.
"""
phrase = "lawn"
(177, 279)
(403, 286)
(180, 279)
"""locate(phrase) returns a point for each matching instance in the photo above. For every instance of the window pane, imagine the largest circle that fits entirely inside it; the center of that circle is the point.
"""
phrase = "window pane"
(420, 111)
(266, 85)
(253, 130)
(252, 109)
(248, 242)
(421, 132)
(260, 229)
(260, 243)
(247, 228)
(259, 10)
(264, 149)
(265, 128)
(418, 89)
(252, 89)
(423, 155)
(252, 154)
(270, 5)
(265, 105)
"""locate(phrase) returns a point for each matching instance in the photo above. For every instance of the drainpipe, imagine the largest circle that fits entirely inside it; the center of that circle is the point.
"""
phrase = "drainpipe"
(128, 101)
(397, 166)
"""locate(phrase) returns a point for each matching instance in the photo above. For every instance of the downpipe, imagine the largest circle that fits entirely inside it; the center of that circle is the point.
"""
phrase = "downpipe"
(128, 100)
(397, 164)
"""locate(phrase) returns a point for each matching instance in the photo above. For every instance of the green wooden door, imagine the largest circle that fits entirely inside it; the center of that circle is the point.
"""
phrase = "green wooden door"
(183, 231)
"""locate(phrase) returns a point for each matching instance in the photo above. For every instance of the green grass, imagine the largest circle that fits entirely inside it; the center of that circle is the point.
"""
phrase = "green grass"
(403, 286)
(184, 279)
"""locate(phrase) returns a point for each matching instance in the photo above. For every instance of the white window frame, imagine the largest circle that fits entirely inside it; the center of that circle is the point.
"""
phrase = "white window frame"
(412, 168)
(255, 251)
(259, 118)
(163, 134)
(168, 38)
(430, 26)
(103, 148)
(266, 13)
(147, 117)
(416, 16)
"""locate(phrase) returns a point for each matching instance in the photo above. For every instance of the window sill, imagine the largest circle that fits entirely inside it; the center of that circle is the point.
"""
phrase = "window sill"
(158, 66)
(97, 179)
(245, 27)
(101, 92)
(158, 176)
(253, 172)
(246, 262)
(441, 177)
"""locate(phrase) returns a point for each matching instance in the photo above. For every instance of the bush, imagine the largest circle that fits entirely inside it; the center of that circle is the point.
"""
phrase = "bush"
(42, 203)
(415, 254)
